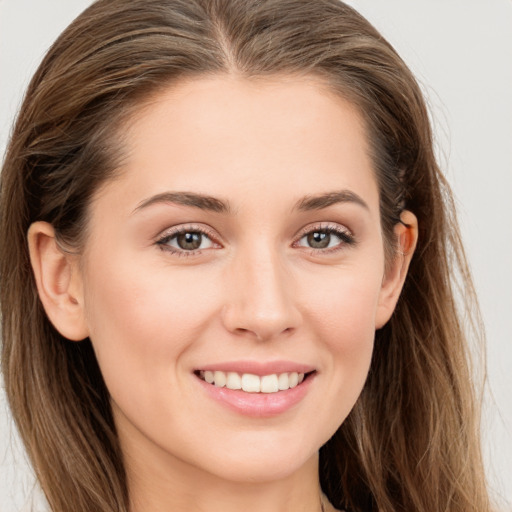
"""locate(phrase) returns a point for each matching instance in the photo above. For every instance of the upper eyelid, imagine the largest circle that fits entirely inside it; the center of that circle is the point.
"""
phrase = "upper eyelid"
(162, 240)
(323, 226)
(184, 228)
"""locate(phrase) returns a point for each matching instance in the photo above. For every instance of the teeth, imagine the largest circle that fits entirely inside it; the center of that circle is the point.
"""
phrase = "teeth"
(234, 381)
(293, 379)
(219, 379)
(269, 384)
(283, 382)
(253, 383)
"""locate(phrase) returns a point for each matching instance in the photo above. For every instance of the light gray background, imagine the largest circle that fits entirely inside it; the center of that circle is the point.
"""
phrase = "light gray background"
(461, 51)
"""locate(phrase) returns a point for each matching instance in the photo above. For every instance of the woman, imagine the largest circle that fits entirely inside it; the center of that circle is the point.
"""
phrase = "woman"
(236, 292)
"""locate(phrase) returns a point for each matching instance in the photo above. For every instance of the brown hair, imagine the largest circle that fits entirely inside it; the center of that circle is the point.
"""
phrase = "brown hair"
(411, 442)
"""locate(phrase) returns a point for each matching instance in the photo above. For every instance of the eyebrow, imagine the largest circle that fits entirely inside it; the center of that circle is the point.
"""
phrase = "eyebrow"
(320, 201)
(213, 204)
(201, 201)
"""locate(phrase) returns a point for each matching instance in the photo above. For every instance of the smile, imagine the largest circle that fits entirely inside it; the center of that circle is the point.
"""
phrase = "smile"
(250, 383)
(257, 389)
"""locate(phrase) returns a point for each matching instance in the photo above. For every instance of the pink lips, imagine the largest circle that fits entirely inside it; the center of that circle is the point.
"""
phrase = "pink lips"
(257, 368)
(258, 405)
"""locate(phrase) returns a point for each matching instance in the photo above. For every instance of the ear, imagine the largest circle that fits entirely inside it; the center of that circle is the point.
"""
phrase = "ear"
(406, 233)
(58, 280)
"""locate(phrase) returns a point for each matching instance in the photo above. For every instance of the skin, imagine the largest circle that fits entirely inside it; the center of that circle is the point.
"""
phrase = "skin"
(255, 290)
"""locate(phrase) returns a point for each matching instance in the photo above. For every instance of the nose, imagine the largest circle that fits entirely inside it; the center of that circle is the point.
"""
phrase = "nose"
(260, 299)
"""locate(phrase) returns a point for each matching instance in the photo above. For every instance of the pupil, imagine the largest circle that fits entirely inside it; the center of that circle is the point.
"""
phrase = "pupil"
(189, 241)
(319, 240)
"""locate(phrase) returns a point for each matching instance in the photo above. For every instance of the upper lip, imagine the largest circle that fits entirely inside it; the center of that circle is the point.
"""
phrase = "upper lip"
(258, 368)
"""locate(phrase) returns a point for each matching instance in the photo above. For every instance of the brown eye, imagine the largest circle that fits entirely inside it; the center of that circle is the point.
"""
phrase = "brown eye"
(186, 241)
(319, 239)
(189, 241)
(326, 238)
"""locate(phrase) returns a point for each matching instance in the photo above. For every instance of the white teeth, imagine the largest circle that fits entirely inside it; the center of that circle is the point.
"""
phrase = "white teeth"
(283, 382)
(219, 379)
(269, 384)
(234, 381)
(253, 383)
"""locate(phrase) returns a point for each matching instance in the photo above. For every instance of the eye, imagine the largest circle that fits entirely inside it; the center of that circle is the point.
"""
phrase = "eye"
(186, 240)
(321, 238)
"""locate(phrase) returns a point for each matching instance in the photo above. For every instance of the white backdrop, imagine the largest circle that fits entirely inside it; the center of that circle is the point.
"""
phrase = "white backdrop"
(461, 51)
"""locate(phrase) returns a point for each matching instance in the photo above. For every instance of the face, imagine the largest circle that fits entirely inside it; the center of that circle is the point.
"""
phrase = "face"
(241, 244)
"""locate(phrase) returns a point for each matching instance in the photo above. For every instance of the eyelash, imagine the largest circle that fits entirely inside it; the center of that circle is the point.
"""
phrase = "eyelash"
(163, 242)
(345, 236)
(347, 239)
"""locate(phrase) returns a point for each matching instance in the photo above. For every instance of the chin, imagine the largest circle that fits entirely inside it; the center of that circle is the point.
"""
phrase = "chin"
(262, 460)
(262, 470)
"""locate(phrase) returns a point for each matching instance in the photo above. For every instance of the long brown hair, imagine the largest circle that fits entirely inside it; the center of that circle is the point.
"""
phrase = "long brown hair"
(411, 442)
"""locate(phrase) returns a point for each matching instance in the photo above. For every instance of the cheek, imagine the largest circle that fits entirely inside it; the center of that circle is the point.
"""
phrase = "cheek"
(343, 312)
(344, 305)
(141, 322)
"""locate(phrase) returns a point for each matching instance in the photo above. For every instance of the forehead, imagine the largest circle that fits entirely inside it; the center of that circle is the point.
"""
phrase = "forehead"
(226, 135)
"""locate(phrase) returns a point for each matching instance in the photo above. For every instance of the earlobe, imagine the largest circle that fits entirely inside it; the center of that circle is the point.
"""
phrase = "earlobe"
(58, 281)
(406, 233)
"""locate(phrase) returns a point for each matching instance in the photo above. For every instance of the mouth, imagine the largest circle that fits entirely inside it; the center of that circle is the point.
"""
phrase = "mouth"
(255, 389)
(251, 383)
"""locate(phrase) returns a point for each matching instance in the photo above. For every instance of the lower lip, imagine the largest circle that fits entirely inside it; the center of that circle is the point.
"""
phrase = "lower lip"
(258, 405)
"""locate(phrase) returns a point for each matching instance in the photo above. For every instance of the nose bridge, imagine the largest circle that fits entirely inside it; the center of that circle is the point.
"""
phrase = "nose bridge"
(260, 297)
